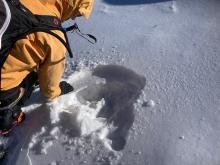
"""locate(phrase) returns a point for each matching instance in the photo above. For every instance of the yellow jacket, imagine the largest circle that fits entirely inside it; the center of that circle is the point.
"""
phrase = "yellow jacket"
(41, 49)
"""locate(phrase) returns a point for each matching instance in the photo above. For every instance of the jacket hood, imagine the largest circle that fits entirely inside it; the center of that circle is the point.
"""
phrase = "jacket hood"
(64, 9)
(75, 8)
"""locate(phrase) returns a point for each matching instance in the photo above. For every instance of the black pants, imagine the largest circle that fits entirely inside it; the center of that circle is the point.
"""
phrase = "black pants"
(9, 96)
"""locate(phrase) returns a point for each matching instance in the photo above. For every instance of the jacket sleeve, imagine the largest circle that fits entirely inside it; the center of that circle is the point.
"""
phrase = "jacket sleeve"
(52, 67)
(38, 49)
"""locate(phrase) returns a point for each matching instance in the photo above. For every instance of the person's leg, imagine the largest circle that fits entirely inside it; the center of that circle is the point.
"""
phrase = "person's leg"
(11, 102)
(10, 112)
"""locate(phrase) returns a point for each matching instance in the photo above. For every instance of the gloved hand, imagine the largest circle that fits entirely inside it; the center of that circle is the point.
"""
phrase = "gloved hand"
(65, 88)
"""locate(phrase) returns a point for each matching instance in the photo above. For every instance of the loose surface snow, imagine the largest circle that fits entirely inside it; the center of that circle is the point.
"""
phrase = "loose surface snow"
(92, 120)
(168, 116)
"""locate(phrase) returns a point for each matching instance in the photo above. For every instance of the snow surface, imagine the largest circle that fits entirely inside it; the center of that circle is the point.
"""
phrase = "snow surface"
(171, 116)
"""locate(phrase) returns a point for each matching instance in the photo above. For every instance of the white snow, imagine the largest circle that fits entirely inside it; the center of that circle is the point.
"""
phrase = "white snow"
(149, 103)
(175, 45)
(80, 116)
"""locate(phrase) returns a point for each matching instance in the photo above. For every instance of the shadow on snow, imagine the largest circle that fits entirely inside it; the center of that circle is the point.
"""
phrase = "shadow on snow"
(121, 90)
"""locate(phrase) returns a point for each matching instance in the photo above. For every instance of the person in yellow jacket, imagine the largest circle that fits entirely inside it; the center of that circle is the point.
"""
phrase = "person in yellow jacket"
(40, 51)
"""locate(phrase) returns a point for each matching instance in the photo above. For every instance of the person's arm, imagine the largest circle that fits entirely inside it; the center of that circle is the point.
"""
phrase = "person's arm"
(52, 68)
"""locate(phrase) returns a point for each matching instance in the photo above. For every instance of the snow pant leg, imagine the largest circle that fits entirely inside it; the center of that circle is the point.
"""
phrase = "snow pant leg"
(9, 96)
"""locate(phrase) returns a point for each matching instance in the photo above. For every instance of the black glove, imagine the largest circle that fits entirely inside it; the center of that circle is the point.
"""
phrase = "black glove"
(65, 88)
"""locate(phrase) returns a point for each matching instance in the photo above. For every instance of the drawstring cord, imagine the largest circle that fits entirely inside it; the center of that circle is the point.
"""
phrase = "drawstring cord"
(75, 28)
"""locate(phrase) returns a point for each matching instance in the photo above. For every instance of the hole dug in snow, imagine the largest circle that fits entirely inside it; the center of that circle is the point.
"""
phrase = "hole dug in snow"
(99, 111)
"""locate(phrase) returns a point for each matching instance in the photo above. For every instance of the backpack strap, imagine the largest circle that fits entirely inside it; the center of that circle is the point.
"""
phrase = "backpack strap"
(46, 24)
(45, 30)
(31, 23)
(5, 15)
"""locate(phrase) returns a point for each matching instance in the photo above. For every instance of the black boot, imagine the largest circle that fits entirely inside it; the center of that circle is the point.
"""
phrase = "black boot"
(10, 118)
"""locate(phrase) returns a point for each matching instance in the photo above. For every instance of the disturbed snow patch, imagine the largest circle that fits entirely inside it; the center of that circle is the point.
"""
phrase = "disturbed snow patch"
(93, 120)
(72, 118)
